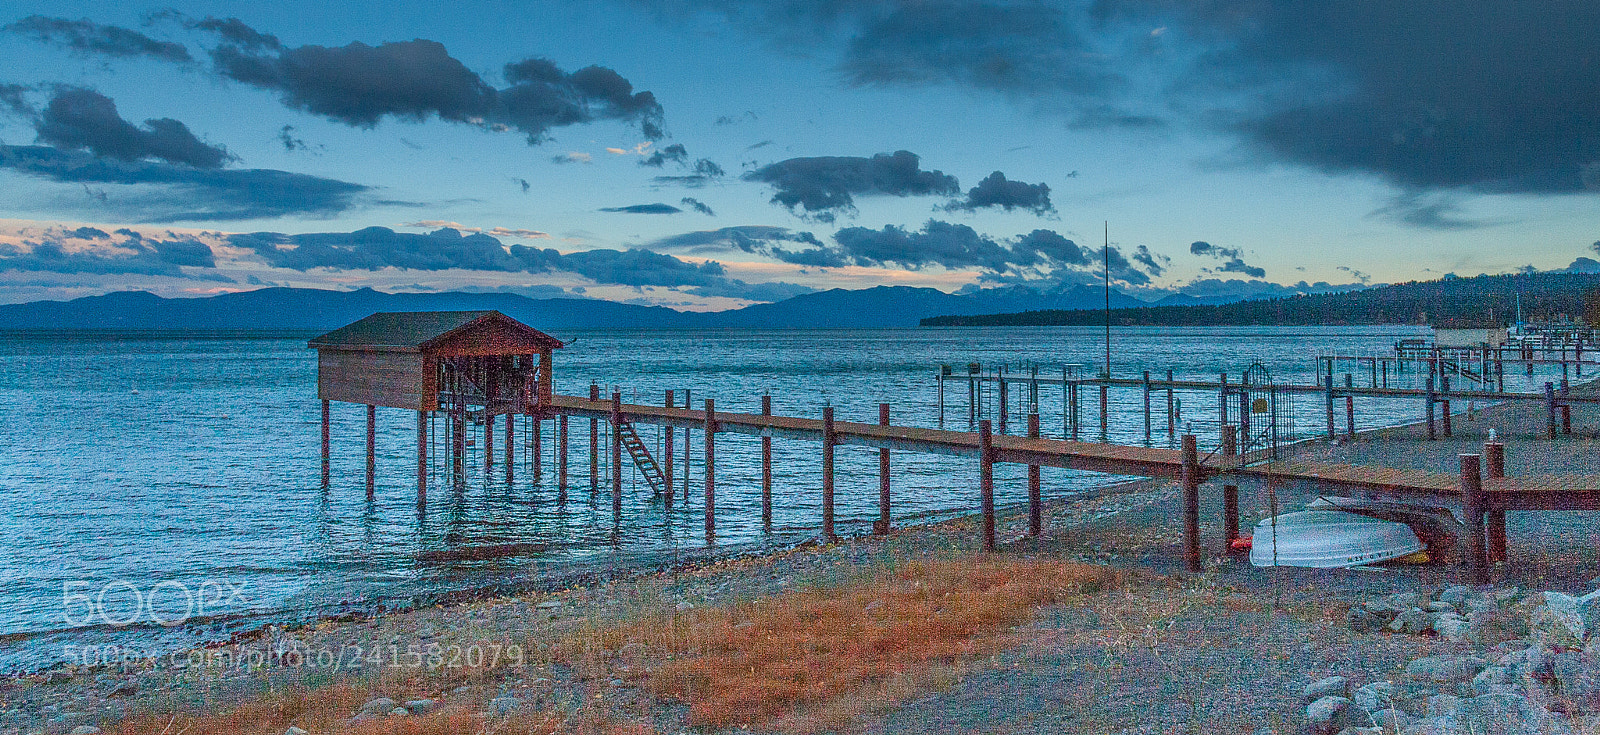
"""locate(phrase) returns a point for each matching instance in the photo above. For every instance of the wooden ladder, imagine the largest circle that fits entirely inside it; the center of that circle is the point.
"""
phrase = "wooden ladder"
(641, 456)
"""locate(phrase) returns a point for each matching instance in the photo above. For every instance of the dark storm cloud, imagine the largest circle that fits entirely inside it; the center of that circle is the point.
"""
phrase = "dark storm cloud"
(778, 243)
(1432, 212)
(84, 119)
(134, 255)
(1050, 245)
(956, 246)
(171, 193)
(359, 85)
(89, 37)
(1154, 264)
(644, 209)
(1432, 94)
(825, 185)
(697, 206)
(1232, 258)
(996, 191)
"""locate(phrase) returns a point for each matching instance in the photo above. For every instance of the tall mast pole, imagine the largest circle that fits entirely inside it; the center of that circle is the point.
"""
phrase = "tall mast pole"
(1106, 251)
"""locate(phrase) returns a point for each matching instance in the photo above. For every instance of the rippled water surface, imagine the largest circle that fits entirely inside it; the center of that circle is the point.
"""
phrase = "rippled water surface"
(154, 477)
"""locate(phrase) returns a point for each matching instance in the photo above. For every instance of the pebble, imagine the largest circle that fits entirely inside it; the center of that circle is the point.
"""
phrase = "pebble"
(1445, 669)
(1333, 686)
(378, 706)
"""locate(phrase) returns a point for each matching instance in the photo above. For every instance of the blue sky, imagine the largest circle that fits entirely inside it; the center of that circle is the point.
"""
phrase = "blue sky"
(1230, 144)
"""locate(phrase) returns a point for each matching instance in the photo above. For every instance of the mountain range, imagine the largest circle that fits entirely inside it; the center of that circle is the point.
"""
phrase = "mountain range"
(318, 309)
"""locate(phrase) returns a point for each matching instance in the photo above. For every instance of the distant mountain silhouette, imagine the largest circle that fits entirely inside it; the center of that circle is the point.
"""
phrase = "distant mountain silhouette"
(1481, 301)
(316, 309)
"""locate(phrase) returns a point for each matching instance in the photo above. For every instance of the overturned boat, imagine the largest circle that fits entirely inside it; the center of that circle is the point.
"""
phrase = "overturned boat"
(1345, 532)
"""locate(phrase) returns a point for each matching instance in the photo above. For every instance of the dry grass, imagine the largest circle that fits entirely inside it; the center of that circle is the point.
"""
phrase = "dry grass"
(819, 660)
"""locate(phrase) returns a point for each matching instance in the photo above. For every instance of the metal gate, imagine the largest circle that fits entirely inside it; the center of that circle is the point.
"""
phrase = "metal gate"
(1266, 413)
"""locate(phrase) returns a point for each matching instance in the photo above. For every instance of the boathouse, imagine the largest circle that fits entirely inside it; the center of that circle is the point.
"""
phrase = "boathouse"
(481, 363)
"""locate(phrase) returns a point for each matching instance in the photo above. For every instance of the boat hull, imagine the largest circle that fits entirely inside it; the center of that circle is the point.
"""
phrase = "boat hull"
(1330, 539)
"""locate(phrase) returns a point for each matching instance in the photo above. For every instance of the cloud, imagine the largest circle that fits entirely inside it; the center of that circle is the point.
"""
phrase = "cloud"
(698, 206)
(675, 153)
(524, 183)
(517, 232)
(89, 37)
(825, 185)
(291, 143)
(996, 191)
(657, 208)
(13, 97)
(1232, 257)
(1358, 275)
(79, 118)
(572, 157)
(745, 238)
(1050, 245)
(133, 255)
(170, 193)
(360, 85)
(1431, 211)
(957, 246)
(439, 224)
(1153, 263)
(734, 288)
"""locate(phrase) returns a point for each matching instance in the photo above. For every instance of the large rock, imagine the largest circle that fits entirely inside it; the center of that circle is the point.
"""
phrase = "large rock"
(1577, 677)
(1454, 594)
(1377, 695)
(377, 707)
(1412, 621)
(1558, 622)
(1391, 720)
(1329, 715)
(1505, 714)
(1445, 669)
(1333, 686)
(1589, 610)
(1493, 679)
(1453, 628)
(1362, 620)
(1391, 605)
(1443, 705)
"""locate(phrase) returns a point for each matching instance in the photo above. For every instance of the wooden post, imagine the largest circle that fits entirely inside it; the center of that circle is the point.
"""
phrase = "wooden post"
(1172, 420)
(1190, 476)
(766, 469)
(1444, 405)
(1105, 436)
(537, 439)
(882, 526)
(1429, 398)
(666, 467)
(1549, 413)
(1327, 392)
(1566, 408)
(561, 461)
(1494, 455)
(372, 451)
(1147, 407)
(511, 448)
(488, 443)
(458, 441)
(972, 392)
(1222, 399)
(827, 471)
(1349, 409)
(1230, 493)
(616, 459)
(711, 470)
(986, 482)
(1035, 499)
(1472, 500)
(422, 457)
(594, 444)
(941, 395)
(686, 456)
(1075, 412)
(1005, 393)
(326, 462)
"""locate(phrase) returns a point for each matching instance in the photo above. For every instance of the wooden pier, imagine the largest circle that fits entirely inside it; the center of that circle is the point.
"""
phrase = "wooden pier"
(486, 365)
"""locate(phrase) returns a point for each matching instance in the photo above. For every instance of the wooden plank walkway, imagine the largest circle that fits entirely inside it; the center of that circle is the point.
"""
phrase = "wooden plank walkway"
(1338, 390)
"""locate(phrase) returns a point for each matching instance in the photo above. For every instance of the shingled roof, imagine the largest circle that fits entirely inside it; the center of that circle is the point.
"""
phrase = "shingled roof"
(415, 330)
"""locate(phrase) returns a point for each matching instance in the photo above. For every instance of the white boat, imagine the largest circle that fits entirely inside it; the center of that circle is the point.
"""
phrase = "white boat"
(1330, 539)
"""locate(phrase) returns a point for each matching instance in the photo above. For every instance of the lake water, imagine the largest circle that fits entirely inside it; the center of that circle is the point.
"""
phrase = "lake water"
(164, 478)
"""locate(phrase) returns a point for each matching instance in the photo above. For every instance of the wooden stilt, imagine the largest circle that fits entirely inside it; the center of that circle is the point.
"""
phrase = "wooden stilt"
(1005, 407)
(1444, 406)
(422, 457)
(326, 459)
(488, 443)
(1494, 455)
(666, 467)
(536, 438)
(561, 461)
(1472, 500)
(458, 448)
(1172, 419)
(616, 459)
(882, 525)
(1105, 434)
(1230, 493)
(766, 469)
(711, 471)
(986, 482)
(511, 448)
(827, 471)
(1190, 476)
(1035, 498)
(372, 451)
(686, 456)
(1430, 399)
(1147, 407)
(594, 444)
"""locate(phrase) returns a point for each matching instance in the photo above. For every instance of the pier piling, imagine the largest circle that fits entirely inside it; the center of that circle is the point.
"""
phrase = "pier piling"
(1494, 455)
(711, 471)
(1105, 435)
(422, 458)
(594, 444)
(326, 460)
(616, 459)
(666, 459)
(828, 440)
(882, 525)
(766, 468)
(986, 482)
(372, 451)
(561, 461)
(1035, 500)
(1190, 475)
(1473, 505)
(1230, 493)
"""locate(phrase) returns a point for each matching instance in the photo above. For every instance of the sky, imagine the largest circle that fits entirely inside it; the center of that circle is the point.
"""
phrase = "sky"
(708, 154)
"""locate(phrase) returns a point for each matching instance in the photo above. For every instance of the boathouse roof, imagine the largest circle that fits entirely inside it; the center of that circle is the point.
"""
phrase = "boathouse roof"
(417, 331)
